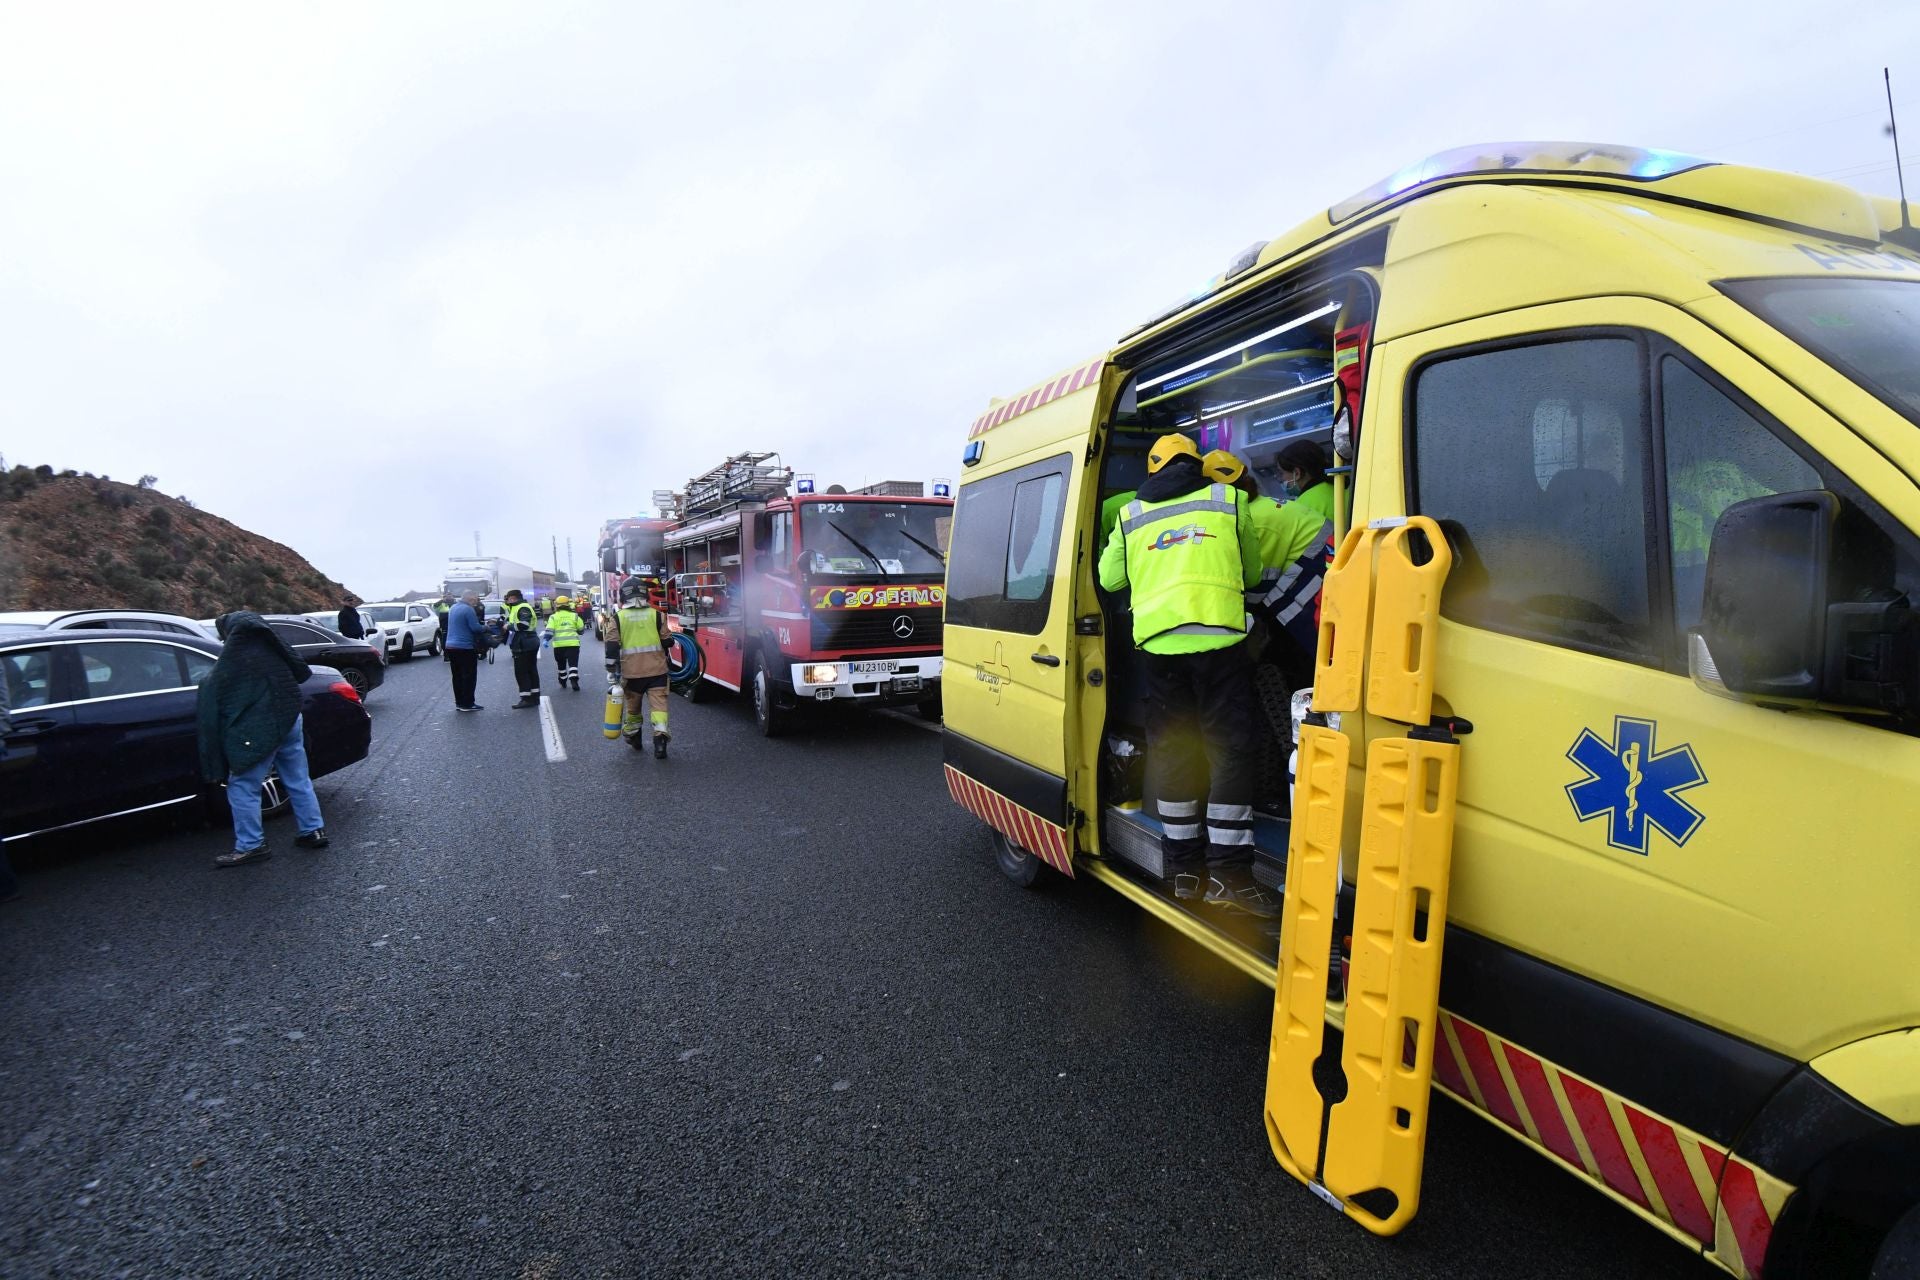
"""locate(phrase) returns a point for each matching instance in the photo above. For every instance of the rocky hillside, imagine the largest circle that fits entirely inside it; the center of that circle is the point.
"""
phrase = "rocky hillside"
(70, 541)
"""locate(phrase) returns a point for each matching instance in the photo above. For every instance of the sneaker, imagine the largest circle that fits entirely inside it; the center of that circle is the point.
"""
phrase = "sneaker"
(475, 707)
(660, 746)
(1189, 884)
(314, 839)
(526, 702)
(240, 857)
(1235, 888)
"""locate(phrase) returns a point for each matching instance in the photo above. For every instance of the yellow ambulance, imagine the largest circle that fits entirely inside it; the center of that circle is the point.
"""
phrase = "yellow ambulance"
(1667, 414)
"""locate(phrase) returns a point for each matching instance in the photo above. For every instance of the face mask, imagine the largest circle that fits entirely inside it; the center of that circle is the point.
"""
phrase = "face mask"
(1289, 488)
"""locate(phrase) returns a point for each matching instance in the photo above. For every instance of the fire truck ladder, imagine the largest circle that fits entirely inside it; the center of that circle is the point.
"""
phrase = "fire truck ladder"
(1379, 614)
(745, 477)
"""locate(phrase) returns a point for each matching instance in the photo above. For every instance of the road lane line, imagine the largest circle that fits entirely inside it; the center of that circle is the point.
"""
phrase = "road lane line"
(556, 749)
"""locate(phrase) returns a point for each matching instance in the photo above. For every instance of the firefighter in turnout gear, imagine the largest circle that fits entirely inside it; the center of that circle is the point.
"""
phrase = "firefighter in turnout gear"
(565, 627)
(1189, 550)
(636, 638)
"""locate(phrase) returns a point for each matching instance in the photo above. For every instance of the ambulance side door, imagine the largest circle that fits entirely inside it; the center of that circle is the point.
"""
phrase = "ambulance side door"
(1009, 655)
(1653, 886)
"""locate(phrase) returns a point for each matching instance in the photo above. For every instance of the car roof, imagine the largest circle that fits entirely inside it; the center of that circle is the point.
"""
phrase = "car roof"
(43, 636)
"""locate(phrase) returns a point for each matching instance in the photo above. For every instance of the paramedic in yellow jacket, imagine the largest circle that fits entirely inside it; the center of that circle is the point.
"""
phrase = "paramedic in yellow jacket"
(636, 638)
(1188, 548)
(564, 628)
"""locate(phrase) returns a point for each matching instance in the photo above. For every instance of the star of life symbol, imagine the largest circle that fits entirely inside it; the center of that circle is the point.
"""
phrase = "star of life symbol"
(1635, 787)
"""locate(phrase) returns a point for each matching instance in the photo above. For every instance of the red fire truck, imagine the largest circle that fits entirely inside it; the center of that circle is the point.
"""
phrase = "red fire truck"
(799, 598)
(631, 548)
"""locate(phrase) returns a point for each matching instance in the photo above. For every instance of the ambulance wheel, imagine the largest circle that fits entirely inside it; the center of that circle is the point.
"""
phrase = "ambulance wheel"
(772, 721)
(1899, 1253)
(1019, 866)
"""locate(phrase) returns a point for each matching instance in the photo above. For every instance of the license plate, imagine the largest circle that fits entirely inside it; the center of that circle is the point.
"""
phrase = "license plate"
(906, 684)
(878, 668)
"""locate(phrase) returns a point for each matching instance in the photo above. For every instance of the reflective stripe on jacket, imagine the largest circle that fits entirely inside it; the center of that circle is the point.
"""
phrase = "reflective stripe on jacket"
(520, 617)
(1188, 561)
(566, 626)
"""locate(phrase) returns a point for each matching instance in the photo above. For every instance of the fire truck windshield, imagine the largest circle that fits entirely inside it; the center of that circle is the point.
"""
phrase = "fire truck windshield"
(848, 538)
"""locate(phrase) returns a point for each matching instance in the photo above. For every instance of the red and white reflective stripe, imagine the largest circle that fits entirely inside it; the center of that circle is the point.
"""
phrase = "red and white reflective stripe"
(1023, 826)
(1672, 1174)
(1064, 385)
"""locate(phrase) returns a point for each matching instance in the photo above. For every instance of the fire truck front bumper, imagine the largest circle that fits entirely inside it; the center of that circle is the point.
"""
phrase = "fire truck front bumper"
(870, 681)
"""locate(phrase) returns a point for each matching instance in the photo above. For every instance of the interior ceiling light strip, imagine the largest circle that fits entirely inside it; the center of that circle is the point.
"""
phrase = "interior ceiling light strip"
(1248, 404)
(1236, 349)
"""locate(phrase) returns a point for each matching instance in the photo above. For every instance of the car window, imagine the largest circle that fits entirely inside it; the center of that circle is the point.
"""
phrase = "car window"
(1532, 459)
(29, 674)
(199, 666)
(294, 633)
(1007, 538)
(128, 667)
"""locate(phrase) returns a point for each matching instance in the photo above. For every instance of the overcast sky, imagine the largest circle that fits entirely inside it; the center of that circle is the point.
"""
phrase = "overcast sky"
(365, 278)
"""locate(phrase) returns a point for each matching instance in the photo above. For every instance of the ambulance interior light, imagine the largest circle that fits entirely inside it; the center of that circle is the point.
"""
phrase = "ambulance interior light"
(1644, 164)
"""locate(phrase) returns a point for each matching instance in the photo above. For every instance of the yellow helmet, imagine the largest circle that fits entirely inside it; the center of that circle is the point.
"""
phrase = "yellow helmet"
(562, 602)
(1169, 447)
(1223, 466)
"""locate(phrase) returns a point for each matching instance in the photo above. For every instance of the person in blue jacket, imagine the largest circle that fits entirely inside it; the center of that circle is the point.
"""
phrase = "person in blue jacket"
(466, 638)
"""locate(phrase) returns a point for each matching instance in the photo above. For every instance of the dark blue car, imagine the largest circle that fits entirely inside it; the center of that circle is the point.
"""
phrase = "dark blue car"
(104, 725)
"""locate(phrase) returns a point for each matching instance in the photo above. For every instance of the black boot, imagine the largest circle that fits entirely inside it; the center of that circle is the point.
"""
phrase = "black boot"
(660, 745)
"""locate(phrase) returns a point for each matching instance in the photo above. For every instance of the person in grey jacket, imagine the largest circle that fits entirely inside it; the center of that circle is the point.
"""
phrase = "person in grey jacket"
(250, 725)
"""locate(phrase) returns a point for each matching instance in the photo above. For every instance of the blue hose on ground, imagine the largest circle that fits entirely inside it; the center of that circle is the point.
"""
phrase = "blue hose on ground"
(686, 661)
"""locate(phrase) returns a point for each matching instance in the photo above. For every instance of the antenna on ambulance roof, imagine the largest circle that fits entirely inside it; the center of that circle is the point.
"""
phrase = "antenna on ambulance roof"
(1893, 128)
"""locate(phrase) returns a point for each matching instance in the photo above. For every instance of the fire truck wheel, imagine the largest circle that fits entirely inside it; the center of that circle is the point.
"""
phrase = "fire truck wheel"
(771, 719)
(1019, 866)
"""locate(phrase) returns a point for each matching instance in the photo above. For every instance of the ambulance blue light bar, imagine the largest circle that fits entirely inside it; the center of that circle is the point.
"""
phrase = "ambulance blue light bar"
(803, 483)
(1556, 159)
(974, 451)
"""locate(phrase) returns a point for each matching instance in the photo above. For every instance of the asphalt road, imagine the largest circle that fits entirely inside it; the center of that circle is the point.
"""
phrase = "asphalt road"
(766, 1008)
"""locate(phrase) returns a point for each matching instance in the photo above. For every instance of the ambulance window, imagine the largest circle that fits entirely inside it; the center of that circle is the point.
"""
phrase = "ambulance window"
(1718, 454)
(1006, 541)
(1532, 457)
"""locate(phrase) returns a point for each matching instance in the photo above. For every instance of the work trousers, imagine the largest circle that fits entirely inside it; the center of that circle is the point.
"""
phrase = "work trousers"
(526, 671)
(566, 662)
(648, 694)
(1203, 740)
(465, 664)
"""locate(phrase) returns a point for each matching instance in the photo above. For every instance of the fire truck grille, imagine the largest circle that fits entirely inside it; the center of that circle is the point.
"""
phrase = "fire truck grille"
(876, 629)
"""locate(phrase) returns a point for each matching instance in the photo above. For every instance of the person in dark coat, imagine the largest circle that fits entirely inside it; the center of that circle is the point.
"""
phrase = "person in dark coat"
(350, 622)
(250, 725)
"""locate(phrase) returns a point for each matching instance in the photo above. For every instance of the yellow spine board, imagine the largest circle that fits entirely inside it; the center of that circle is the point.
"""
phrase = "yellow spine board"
(1294, 1107)
(1402, 634)
(1376, 1135)
(1341, 649)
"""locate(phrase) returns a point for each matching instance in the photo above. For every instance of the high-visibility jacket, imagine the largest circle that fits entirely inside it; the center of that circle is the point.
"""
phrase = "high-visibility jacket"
(1319, 498)
(1189, 560)
(520, 617)
(566, 627)
(1697, 494)
(636, 629)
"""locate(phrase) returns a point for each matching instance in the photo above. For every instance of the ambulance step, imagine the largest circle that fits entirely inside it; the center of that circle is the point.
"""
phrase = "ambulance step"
(1135, 836)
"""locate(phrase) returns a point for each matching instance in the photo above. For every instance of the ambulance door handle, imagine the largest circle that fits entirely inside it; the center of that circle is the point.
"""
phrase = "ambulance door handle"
(1046, 659)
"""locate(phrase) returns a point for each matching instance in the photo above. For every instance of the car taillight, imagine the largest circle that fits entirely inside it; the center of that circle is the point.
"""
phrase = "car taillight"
(345, 690)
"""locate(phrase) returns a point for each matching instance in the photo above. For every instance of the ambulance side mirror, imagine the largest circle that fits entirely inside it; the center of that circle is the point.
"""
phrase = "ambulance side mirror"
(1763, 618)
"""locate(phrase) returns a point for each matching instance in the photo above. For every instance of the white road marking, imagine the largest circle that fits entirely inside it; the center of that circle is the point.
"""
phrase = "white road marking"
(556, 749)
